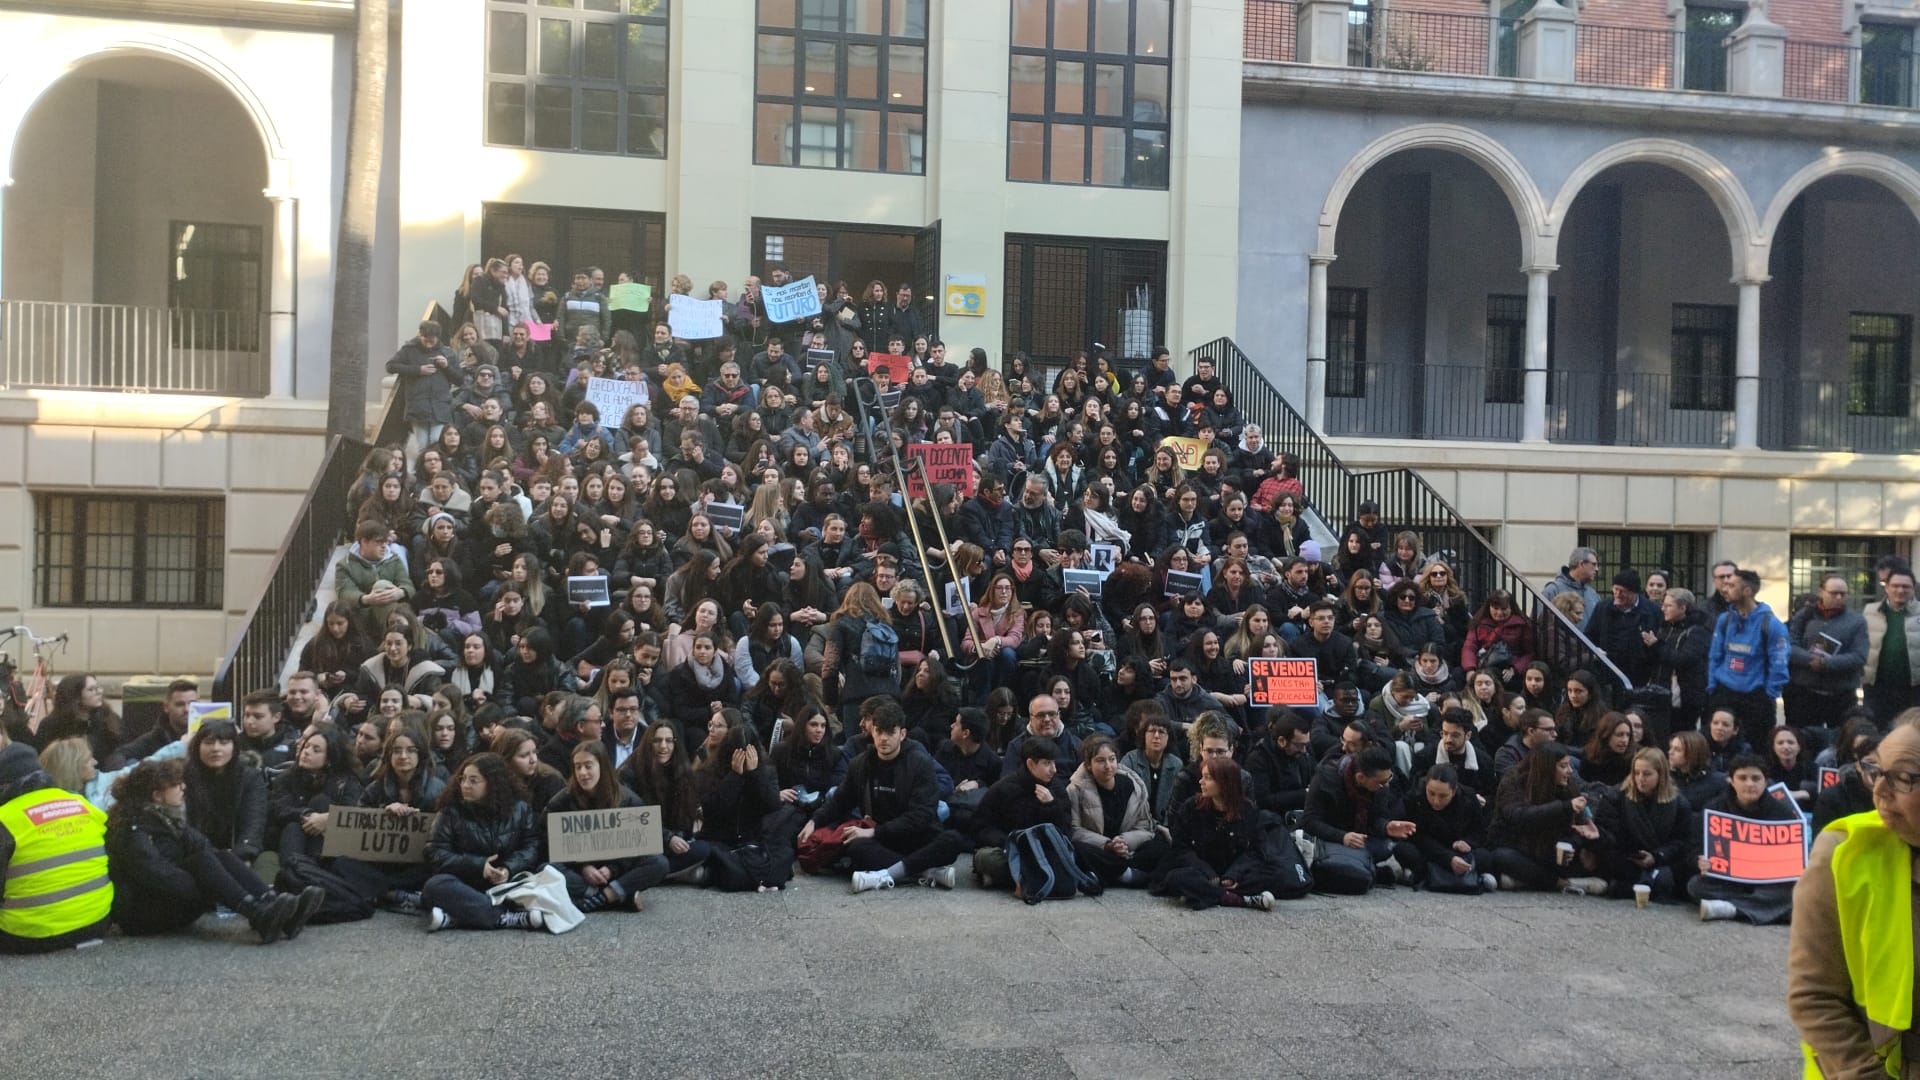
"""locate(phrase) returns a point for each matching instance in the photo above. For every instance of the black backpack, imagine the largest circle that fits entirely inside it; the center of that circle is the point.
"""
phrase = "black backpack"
(1042, 863)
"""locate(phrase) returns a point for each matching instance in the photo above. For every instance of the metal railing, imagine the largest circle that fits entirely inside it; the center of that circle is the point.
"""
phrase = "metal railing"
(1270, 27)
(1406, 501)
(286, 605)
(1813, 71)
(58, 345)
(1426, 401)
(1638, 408)
(1402, 39)
(1832, 415)
(1634, 56)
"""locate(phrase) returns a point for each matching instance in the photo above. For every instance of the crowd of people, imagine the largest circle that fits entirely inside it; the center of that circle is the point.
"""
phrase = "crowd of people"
(796, 662)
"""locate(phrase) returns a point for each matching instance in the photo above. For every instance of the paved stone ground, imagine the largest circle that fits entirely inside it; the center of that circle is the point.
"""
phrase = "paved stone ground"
(815, 982)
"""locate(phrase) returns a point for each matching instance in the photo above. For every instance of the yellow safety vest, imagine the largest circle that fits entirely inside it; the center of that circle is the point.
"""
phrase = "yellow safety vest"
(57, 880)
(1873, 893)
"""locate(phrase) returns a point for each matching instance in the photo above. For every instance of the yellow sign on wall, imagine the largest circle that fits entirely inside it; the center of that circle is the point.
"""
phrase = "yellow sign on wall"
(966, 294)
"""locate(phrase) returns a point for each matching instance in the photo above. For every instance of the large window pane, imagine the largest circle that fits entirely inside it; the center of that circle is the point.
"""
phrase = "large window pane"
(1152, 27)
(553, 118)
(863, 71)
(1067, 157)
(1109, 90)
(863, 135)
(1111, 23)
(820, 15)
(556, 47)
(773, 134)
(600, 121)
(1150, 91)
(777, 13)
(646, 55)
(1147, 166)
(1110, 156)
(647, 124)
(1030, 23)
(1069, 87)
(822, 70)
(907, 74)
(1026, 151)
(1027, 89)
(819, 137)
(600, 57)
(907, 143)
(866, 17)
(507, 43)
(507, 114)
(775, 64)
(907, 19)
(1070, 24)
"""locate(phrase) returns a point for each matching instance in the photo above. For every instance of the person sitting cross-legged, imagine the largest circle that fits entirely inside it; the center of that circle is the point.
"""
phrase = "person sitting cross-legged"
(900, 793)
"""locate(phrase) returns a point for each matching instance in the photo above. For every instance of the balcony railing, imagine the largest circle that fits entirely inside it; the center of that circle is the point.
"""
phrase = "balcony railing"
(51, 344)
(1638, 408)
(1842, 416)
(1643, 57)
(1431, 401)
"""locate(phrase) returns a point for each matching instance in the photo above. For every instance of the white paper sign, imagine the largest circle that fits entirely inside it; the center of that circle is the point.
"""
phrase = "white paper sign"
(613, 397)
(794, 300)
(695, 320)
(1105, 557)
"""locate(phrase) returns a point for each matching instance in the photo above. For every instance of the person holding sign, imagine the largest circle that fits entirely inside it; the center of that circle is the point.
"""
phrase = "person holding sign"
(592, 784)
(1723, 898)
(1850, 961)
(483, 837)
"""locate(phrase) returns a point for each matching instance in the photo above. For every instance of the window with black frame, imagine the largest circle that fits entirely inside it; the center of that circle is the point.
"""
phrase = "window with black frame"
(1879, 362)
(1090, 92)
(213, 285)
(1706, 46)
(1702, 343)
(588, 76)
(1507, 347)
(1682, 553)
(1346, 343)
(128, 551)
(1886, 64)
(1812, 557)
(841, 84)
(1067, 293)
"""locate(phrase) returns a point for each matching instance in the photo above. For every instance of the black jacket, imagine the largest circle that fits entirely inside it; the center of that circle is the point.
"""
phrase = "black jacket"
(1617, 633)
(732, 805)
(1280, 780)
(902, 796)
(1332, 812)
(563, 803)
(231, 810)
(147, 856)
(1436, 831)
(384, 791)
(463, 840)
(1011, 805)
(297, 792)
(1681, 650)
(1628, 826)
(1207, 832)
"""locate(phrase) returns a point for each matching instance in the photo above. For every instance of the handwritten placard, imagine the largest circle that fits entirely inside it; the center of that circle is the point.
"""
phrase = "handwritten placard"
(1283, 680)
(1751, 852)
(947, 463)
(792, 301)
(630, 296)
(695, 320)
(613, 397)
(586, 836)
(371, 834)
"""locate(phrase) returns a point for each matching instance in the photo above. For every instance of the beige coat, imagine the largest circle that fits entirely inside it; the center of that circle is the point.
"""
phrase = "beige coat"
(1088, 821)
(1876, 616)
(1819, 991)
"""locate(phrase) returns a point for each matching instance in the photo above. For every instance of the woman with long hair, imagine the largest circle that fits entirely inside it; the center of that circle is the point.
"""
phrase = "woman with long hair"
(1580, 712)
(995, 635)
(226, 797)
(1210, 832)
(1645, 830)
(166, 874)
(705, 619)
(687, 587)
(1609, 752)
(848, 677)
(766, 642)
(737, 790)
(322, 775)
(1499, 638)
(1536, 810)
(643, 560)
(521, 751)
(484, 835)
(592, 784)
(703, 683)
(662, 777)
(80, 709)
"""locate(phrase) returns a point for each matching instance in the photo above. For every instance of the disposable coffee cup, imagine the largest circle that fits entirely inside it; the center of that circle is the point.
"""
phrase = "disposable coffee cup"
(1562, 853)
(1641, 894)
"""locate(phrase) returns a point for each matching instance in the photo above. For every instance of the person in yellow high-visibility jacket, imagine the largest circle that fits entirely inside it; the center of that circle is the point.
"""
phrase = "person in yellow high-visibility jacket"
(1850, 964)
(54, 892)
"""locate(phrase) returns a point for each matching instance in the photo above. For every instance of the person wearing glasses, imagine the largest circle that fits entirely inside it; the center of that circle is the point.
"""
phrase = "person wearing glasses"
(1537, 729)
(1828, 642)
(1746, 796)
(1893, 648)
(1577, 577)
(1850, 958)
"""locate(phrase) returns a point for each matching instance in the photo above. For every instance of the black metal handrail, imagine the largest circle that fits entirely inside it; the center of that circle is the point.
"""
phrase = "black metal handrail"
(1406, 501)
(286, 604)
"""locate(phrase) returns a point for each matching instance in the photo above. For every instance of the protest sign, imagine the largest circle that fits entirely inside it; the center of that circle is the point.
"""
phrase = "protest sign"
(695, 320)
(1280, 680)
(1181, 582)
(589, 836)
(959, 596)
(897, 367)
(794, 300)
(966, 294)
(613, 397)
(1186, 452)
(891, 399)
(1829, 777)
(816, 357)
(726, 515)
(1090, 580)
(371, 834)
(539, 331)
(1751, 852)
(199, 712)
(1105, 557)
(630, 296)
(947, 463)
(588, 589)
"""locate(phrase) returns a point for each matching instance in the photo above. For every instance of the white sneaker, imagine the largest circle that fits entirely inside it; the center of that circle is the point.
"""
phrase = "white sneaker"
(536, 919)
(437, 920)
(1589, 886)
(865, 880)
(1489, 883)
(1506, 883)
(1713, 910)
(1260, 901)
(940, 877)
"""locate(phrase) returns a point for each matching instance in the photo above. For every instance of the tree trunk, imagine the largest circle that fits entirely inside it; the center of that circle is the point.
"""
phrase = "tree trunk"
(359, 204)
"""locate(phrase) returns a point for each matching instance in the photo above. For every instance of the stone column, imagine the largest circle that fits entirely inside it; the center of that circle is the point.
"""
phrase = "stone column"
(1757, 56)
(1320, 33)
(1546, 43)
(1533, 423)
(1317, 342)
(1746, 368)
(282, 298)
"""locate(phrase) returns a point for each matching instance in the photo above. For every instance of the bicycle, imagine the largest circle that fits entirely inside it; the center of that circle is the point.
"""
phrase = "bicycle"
(24, 709)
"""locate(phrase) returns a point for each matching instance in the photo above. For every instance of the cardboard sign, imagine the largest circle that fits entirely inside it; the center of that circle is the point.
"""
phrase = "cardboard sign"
(1105, 557)
(586, 836)
(199, 712)
(726, 515)
(1750, 852)
(1829, 777)
(588, 589)
(613, 397)
(897, 367)
(1090, 580)
(966, 294)
(539, 331)
(1181, 582)
(947, 463)
(630, 296)
(1186, 452)
(695, 320)
(1283, 680)
(792, 301)
(371, 834)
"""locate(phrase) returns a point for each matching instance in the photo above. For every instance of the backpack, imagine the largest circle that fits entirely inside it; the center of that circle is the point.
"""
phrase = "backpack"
(1043, 865)
(879, 649)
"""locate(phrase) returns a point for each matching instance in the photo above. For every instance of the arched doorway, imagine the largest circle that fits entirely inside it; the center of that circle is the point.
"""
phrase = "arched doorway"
(137, 238)
(1426, 300)
(1837, 319)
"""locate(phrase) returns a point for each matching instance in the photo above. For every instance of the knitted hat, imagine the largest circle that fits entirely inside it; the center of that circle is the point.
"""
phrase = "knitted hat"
(1628, 579)
(1310, 550)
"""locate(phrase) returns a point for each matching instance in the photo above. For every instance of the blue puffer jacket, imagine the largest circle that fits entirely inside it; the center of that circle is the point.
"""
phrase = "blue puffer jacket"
(1748, 653)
